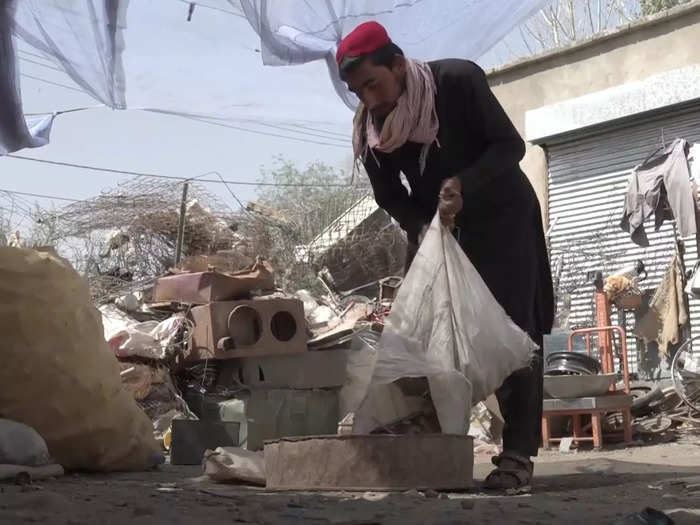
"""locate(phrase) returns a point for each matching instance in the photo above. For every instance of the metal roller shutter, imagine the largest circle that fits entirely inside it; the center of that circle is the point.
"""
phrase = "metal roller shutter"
(588, 176)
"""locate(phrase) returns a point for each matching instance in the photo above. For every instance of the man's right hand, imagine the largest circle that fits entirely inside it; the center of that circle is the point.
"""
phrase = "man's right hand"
(450, 203)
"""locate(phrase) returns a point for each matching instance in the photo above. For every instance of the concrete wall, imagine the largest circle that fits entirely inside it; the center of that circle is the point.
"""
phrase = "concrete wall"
(650, 46)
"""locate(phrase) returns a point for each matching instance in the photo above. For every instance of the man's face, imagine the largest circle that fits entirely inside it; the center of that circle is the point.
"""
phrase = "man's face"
(378, 87)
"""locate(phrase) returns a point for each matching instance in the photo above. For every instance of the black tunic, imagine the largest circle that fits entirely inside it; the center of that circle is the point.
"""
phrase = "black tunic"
(500, 226)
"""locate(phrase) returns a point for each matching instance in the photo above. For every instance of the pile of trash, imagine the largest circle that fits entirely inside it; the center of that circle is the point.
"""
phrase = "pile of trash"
(206, 352)
(60, 379)
(202, 359)
(658, 412)
(222, 360)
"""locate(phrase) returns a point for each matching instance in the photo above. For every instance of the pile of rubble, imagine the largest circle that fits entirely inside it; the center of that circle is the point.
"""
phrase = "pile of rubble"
(223, 359)
(659, 412)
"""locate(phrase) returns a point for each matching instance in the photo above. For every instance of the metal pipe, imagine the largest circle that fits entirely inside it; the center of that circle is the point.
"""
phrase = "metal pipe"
(181, 225)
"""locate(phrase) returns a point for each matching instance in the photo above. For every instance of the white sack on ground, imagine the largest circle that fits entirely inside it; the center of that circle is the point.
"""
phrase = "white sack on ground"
(59, 376)
(24, 451)
(447, 326)
(233, 464)
(21, 445)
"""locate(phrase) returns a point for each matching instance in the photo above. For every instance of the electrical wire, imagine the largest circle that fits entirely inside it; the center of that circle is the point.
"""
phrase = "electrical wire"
(341, 143)
(321, 133)
(54, 68)
(63, 111)
(39, 195)
(35, 55)
(282, 125)
(20, 199)
(173, 177)
(340, 135)
(265, 133)
(235, 197)
(16, 205)
(52, 83)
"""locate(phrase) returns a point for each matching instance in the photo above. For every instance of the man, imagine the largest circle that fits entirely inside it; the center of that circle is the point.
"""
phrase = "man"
(440, 125)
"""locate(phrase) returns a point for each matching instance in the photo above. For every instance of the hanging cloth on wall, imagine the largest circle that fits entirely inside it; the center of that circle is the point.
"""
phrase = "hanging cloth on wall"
(667, 309)
(659, 183)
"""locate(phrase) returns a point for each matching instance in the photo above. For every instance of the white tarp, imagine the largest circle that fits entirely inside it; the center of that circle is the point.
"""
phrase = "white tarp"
(83, 37)
(447, 326)
(296, 33)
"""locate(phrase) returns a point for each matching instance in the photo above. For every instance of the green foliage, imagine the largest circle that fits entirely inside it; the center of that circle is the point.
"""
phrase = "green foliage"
(300, 205)
(650, 7)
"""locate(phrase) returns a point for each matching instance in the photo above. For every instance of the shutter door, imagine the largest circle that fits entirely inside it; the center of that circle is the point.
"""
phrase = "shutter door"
(588, 176)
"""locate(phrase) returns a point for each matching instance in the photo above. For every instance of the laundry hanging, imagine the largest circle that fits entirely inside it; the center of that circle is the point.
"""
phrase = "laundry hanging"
(657, 185)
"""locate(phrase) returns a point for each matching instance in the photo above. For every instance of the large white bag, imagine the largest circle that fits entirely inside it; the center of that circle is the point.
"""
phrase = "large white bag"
(58, 374)
(447, 326)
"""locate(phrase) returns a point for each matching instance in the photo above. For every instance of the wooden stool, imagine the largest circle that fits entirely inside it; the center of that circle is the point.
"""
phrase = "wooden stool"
(596, 407)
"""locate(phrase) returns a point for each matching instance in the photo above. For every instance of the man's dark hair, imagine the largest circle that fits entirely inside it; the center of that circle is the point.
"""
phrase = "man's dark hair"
(384, 56)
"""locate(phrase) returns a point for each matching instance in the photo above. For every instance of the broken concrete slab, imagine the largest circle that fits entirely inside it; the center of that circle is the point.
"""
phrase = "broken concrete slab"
(322, 369)
(271, 414)
(370, 462)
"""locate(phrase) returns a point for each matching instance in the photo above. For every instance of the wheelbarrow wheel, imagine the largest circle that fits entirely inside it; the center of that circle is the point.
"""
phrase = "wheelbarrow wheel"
(685, 372)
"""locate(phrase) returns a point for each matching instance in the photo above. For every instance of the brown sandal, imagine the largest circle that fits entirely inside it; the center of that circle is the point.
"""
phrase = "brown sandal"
(515, 477)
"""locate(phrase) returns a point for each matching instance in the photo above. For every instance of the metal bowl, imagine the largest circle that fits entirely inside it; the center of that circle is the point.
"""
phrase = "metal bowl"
(563, 363)
(569, 386)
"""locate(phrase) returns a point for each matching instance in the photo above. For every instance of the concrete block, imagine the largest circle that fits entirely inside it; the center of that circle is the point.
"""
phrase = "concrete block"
(271, 414)
(318, 369)
(371, 462)
(231, 329)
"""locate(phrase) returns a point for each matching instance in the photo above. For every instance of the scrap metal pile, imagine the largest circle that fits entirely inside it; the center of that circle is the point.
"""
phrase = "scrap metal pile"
(224, 359)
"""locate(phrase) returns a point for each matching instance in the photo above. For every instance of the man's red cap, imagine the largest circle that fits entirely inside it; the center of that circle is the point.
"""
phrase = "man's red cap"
(365, 38)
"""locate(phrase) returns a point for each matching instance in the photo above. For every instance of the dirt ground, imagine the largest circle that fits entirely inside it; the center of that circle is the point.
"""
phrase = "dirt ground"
(584, 487)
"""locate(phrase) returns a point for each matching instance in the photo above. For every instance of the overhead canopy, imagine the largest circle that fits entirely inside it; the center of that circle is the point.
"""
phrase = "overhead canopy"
(84, 37)
(85, 40)
(292, 33)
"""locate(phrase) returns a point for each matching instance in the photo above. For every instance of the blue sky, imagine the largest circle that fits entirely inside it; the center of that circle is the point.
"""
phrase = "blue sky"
(206, 66)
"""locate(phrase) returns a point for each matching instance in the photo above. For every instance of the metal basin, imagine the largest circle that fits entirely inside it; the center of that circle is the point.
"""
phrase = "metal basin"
(568, 386)
(565, 363)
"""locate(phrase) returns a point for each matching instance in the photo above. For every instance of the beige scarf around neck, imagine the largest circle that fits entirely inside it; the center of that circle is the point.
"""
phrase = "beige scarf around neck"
(413, 119)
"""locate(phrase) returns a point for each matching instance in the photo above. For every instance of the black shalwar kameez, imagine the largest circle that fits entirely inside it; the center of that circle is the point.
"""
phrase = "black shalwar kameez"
(500, 227)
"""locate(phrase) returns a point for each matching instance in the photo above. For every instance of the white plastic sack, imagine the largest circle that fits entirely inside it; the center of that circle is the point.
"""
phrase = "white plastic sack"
(447, 326)
(233, 464)
(21, 445)
(114, 320)
(59, 376)
(149, 339)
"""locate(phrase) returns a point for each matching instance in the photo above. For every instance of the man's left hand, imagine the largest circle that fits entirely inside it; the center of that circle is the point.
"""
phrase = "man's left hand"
(450, 201)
